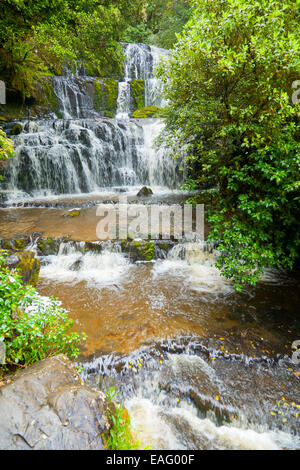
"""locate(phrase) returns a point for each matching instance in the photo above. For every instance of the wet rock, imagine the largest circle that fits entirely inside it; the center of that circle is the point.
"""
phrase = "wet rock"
(48, 407)
(15, 244)
(48, 246)
(139, 250)
(12, 261)
(27, 264)
(73, 212)
(17, 129)
(77, 265)
(145, 192)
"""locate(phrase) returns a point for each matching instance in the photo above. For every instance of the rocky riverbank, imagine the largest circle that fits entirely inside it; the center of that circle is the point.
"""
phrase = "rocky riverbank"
(48, 407)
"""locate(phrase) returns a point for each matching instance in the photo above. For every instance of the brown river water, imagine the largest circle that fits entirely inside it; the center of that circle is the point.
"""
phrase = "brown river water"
(198, 365)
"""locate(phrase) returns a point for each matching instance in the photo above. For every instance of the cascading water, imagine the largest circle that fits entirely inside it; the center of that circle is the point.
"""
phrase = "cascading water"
(84, 153)
(190, 357)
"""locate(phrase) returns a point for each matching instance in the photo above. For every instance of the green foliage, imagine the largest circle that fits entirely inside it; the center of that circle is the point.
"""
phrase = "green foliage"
(138, 34)
(161, 22)
(32, 327)
(166, 19)
(120, 435)
(229, 86)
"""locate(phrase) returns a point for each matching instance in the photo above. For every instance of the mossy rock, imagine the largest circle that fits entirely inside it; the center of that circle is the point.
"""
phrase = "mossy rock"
(106, 97)
(139, 250)
(26, 264)
(147, 112)
(48, 98)
(6, 245)
(72, 213)
(145, 192)
(17, 129)
(48, 246)
(138, 94)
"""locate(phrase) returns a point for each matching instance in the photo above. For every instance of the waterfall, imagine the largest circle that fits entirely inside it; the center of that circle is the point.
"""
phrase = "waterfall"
(85, 152)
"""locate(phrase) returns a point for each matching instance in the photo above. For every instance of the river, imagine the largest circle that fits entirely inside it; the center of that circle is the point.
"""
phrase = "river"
(198, 365)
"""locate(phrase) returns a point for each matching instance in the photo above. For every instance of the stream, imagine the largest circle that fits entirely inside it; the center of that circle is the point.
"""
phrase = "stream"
(197, 365)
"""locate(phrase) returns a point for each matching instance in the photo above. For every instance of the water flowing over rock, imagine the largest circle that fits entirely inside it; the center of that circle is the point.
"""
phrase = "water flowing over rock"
(85, 152)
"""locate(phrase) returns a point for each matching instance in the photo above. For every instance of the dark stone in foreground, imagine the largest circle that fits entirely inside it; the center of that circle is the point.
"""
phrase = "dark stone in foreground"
(145, 192)
(47, 407)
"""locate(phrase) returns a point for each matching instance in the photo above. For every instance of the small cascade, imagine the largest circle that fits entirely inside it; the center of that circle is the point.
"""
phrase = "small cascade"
(195, 263)
(124, 101)
(140, 64)
(72, 265)
(178, 399)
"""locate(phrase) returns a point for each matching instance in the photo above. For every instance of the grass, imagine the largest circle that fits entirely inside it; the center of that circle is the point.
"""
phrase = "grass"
(120, 436)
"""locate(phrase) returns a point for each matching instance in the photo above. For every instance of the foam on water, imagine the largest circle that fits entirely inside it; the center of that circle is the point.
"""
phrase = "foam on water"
(97, 269)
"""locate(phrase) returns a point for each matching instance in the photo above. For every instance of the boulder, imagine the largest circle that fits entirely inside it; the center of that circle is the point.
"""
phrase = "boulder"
(145, 192)
(17, 129)
(47, 407)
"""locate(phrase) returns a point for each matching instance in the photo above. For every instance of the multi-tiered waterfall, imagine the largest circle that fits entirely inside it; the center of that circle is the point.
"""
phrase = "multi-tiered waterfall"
(79, 149)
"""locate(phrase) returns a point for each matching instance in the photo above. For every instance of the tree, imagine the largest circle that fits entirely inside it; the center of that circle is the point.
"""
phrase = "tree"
(229, 86)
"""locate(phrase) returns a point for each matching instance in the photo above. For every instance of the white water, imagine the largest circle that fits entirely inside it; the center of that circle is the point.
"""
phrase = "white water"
(170, 424)
(196, 266)
(152, 429)
(97, 269)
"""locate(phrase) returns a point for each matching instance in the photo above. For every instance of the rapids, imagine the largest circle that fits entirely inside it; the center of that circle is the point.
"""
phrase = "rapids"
(198, 365)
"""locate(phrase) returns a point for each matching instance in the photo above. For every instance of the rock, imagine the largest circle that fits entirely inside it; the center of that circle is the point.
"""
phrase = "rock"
(29, 267)
(17, 129)
(48, 246)
(27, 264)
(139, 250)
(47, 407)
(144, 192)
(73, 213)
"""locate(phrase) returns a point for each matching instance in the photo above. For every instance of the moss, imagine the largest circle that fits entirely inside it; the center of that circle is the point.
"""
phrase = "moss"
(6, 245)
(142, 251)
(72, 213)
(163, 246)
(20, 243)
(138, 93)
(42, 245)
(147, 112)
(106, 97)
(17, 129)
(49, 98)
(29, 267)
